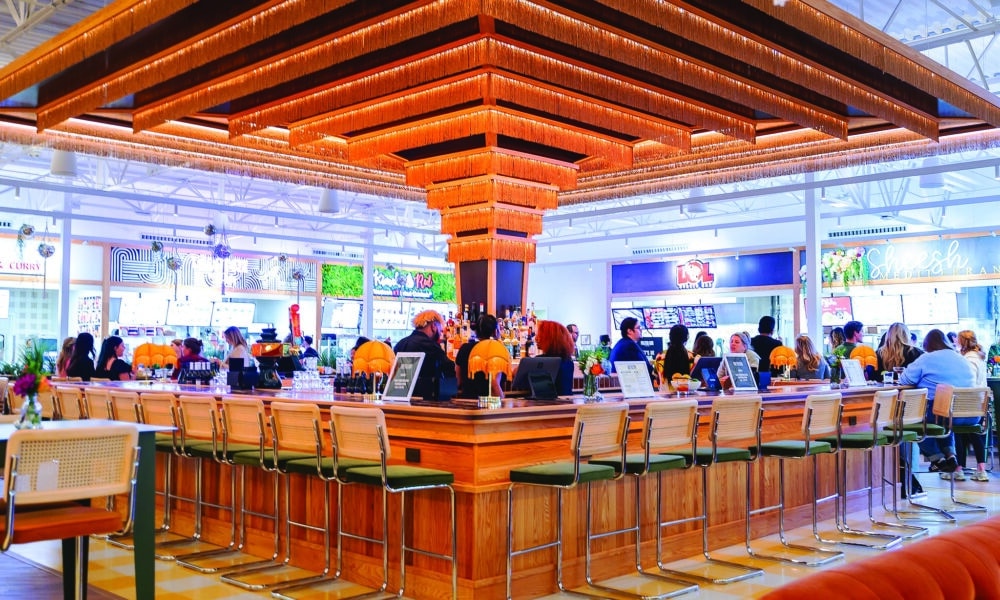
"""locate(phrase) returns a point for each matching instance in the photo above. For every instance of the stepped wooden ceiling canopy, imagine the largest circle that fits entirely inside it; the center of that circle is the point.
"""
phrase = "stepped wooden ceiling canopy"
(588, 99)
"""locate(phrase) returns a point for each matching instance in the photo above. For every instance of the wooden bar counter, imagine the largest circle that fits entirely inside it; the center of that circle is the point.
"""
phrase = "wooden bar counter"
(480, 446)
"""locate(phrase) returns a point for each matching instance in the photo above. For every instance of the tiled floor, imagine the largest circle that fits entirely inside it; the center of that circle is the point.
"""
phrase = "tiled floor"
(111, 568)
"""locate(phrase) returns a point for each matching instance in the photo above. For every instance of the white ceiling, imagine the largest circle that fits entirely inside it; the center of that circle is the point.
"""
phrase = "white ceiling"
(115, 199)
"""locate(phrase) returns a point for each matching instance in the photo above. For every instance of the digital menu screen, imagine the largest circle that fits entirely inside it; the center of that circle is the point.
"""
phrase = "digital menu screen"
(930, 309)
(879, 310)
(150, 310)
(665, 317)
(342, 314)
(836, 311)
(183, 313)
(620, 314)
(239, 314)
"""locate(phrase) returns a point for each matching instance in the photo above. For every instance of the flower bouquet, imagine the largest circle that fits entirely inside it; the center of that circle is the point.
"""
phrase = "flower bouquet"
(31, 382)
(845, 266)
(591, 365)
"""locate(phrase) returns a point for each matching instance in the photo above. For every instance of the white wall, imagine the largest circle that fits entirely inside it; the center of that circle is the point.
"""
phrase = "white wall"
(573, 294)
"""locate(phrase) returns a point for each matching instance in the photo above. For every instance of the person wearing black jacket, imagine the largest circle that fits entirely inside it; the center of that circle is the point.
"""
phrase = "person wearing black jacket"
(436, 380)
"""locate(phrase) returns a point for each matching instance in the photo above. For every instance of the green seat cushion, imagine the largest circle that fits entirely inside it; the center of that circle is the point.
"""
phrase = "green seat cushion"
(857, 440)
(198, 449)
(722, 455)
(794, 448)
(635, 464)
(399, 476)
(933, 430)
(164, 444)
(253, 457)
(561, 474)
(307, 466)
(971, 429)
(907, 436)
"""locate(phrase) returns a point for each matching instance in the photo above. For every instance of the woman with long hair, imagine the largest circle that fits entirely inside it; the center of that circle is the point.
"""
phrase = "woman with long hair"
(109, 362)
(554, 339)
(677, 359)
(809, 363)
(238, 347)
(81, 362)
(970, 349)
(62, 361)
(703, 347)
(897, 351)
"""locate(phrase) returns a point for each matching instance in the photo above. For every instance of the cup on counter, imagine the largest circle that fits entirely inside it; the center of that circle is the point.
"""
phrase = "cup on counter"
(888, 378)
(896, 372)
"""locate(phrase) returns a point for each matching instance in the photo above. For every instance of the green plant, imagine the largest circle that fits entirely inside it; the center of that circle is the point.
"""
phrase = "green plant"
(328, 357)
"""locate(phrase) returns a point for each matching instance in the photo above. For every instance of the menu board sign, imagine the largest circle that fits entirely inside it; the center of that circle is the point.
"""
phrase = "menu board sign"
(239, 314)
(189, 314)
(634, 379)
(739, 373)
(930, 309)
(878, 310)
(150, 310)
(853, 372)
(665, 317)
(836, 310)
(403, 378)
(342, 314)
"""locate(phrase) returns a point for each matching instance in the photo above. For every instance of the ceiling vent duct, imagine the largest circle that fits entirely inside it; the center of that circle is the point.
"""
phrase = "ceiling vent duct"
(658, 250)
(172, 240)
(866, 232)
(338, 254)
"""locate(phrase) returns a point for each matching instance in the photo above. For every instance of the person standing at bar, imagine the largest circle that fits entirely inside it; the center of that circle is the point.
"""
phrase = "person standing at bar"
(763, 343)
(574, 332)
(474, 387)
(436, 380)
(627, 348)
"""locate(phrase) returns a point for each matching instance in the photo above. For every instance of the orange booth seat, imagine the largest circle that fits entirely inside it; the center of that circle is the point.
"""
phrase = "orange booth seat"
(148, 355)
(962, 563)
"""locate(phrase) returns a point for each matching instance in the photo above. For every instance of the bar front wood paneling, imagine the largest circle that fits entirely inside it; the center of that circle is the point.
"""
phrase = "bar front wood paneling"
(480, 446)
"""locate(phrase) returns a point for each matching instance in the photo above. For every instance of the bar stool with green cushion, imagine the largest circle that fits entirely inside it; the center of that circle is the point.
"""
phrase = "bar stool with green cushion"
(734, 437)
(879, 435)
(598, 429)
(821, 417)
(245, 443)
(969, 404)
(292, 425)
(910, 426)
(360, 433)
(304, 419)
(866, 441)
(124, 405)
(200, 439)
(666, 426)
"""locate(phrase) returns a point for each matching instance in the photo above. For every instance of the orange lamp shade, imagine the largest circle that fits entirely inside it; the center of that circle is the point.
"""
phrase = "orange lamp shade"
(490, 357)
(865, 355)
(373, 357)
(782, 356)
(148, 355)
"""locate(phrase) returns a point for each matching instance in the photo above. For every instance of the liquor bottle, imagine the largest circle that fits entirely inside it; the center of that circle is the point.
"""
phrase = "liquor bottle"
(482, 309)
(465, 314)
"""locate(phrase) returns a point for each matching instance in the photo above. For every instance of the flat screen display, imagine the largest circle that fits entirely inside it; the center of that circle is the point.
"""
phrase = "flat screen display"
(665, 317)
(879, 310)
(342, 314)
(930, 309)
(620, 314)
(227, 314)
(183, 313)
(151, 310)
(836, 311)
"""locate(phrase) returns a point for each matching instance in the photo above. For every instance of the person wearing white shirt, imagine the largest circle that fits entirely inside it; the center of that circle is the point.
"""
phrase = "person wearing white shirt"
(968, 346)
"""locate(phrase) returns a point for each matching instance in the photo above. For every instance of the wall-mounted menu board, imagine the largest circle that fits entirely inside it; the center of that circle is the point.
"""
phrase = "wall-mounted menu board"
(342, 314)
(665, 317)
(620, 314)
(930, 309)
(183, 313)
(878, 310)
(151, 310)
(836, 310)
(226, 314)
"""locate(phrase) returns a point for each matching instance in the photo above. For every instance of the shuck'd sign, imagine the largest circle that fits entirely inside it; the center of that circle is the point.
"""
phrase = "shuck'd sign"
(19, 266)
(694, 275)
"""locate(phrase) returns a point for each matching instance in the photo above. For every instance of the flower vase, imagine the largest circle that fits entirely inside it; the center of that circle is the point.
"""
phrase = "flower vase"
(31, 413)
(590, 393)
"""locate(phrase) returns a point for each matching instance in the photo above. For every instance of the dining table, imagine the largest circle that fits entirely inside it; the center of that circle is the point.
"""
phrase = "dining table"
(143, 527)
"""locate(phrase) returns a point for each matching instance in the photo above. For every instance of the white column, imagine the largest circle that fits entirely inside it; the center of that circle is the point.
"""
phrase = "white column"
(368, 324)
(814, 313)
(66, 237)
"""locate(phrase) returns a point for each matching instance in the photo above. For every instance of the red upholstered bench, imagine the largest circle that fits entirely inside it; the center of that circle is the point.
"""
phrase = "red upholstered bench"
(962, 563)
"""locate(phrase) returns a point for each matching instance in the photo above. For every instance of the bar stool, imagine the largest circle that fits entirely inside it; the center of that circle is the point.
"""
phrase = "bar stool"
(910, 426)
(244, 443)
(97, 403)
(46, 399)
(666, 426)
(952, 403)
(734, 437)
(821, 417)
(291, 426)
(877, 436)
(597, 429)
(361, 433)
(201, 439)
(69, 402)
(124, 405)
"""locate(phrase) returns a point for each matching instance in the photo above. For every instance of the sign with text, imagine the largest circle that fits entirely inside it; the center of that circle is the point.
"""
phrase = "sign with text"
(751, 270)
(853, 372)
(403, 378)
(633, 376)
(740, 373)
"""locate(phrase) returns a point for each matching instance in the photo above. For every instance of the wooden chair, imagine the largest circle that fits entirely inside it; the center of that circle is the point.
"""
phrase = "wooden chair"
(125, 405)
(909, 426)
(46, 399)
(49, 471)
(952, 403)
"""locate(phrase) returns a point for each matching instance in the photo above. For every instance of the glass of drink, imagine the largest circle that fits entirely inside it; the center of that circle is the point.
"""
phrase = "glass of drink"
(896, 372)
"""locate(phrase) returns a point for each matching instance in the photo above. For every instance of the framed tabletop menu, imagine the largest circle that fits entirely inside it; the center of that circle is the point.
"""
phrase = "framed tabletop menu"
(633, 376)
(739, 373)
(403, 377)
